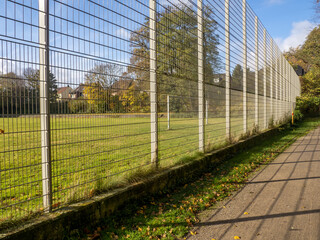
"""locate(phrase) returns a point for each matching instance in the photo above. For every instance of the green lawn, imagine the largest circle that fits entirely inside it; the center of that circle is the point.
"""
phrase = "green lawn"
(173, 214)
(89, 153)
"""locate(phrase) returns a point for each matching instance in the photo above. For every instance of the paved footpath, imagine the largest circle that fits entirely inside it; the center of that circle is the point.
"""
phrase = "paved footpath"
(281, 202)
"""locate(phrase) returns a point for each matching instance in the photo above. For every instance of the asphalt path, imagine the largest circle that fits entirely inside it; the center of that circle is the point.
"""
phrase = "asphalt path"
(282, 201)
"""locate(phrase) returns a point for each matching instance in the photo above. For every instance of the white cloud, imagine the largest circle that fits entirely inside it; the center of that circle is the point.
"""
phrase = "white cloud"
(7, 65)
(274, 2)
(299, 32)
(123, 33)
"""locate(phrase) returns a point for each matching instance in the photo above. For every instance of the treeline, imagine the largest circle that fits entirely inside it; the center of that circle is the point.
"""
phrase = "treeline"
(109, 87)
(307, 57)
(177, 69)
(21, 94)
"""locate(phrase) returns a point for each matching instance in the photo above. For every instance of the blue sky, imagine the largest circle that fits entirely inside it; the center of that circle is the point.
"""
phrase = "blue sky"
(287, 21)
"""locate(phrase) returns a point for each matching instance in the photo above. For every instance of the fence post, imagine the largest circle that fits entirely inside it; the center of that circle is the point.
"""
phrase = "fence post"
(168, 111)
(271, 80)
(286, 82)
(265, 80)
(45, 104)
(289, 86)
(227, 35)
(153, 83)
(244, 26)
(277, 79)
(207, 111)
(293, 90)
(285, 86)
(200, 77)
(256, 91)
(281, 86)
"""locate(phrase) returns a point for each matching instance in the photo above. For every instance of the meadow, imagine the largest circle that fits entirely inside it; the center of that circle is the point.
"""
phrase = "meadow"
(90, 154)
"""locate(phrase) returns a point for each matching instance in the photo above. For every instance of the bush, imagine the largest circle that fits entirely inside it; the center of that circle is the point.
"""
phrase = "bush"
(298, 116)
(78, 106)
(308, 105)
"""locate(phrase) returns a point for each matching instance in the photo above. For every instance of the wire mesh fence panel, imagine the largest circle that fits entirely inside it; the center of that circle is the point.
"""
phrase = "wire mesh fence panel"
(20, 142)
(96, 93)
(251, 66)
(236, 68)
(177, 79)
(214, 74)
(100, 123)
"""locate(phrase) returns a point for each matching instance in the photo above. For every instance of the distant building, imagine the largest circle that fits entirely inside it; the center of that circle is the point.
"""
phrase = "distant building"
(78, 92)
(120, 86)
(64, 93)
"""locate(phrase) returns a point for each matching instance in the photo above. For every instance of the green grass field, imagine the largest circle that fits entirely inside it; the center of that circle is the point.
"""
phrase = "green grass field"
(173, 214)
(89, 154)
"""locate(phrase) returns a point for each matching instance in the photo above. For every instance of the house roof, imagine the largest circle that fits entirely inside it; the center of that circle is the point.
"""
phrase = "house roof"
(122, 84)
(63, 89)
(79, 89)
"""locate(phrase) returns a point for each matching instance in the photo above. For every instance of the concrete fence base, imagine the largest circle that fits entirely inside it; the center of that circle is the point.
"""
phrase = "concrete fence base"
(91, 212)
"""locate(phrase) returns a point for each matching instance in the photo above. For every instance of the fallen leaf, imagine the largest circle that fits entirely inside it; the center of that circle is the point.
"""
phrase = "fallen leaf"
(246, 213)
(193, 233)
(237, 237)
(95, 236)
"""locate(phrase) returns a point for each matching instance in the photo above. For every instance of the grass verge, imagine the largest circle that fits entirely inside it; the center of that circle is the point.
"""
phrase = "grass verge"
(171, 215)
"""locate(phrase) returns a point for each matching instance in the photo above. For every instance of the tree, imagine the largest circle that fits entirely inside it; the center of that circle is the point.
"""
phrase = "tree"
(308, 57)
(295, 60)
(105, 74)
(311, 83)
(237, 78)
(135, 100)
(11, 81)
(177, 55)
(310, 50)
(12, 92)
(96, 96)
(98, 86)
(310, 54)
(78, 106)
(32, 77)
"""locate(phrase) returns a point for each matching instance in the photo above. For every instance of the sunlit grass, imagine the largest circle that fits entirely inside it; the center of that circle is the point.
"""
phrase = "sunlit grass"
(90, 154)
(173, 214)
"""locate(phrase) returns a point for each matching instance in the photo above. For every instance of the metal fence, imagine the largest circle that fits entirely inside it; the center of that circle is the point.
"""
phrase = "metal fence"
(93, 92)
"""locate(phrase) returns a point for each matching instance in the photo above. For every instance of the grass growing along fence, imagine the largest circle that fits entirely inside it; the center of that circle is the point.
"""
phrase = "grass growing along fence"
(89, 155)
(173, 214)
